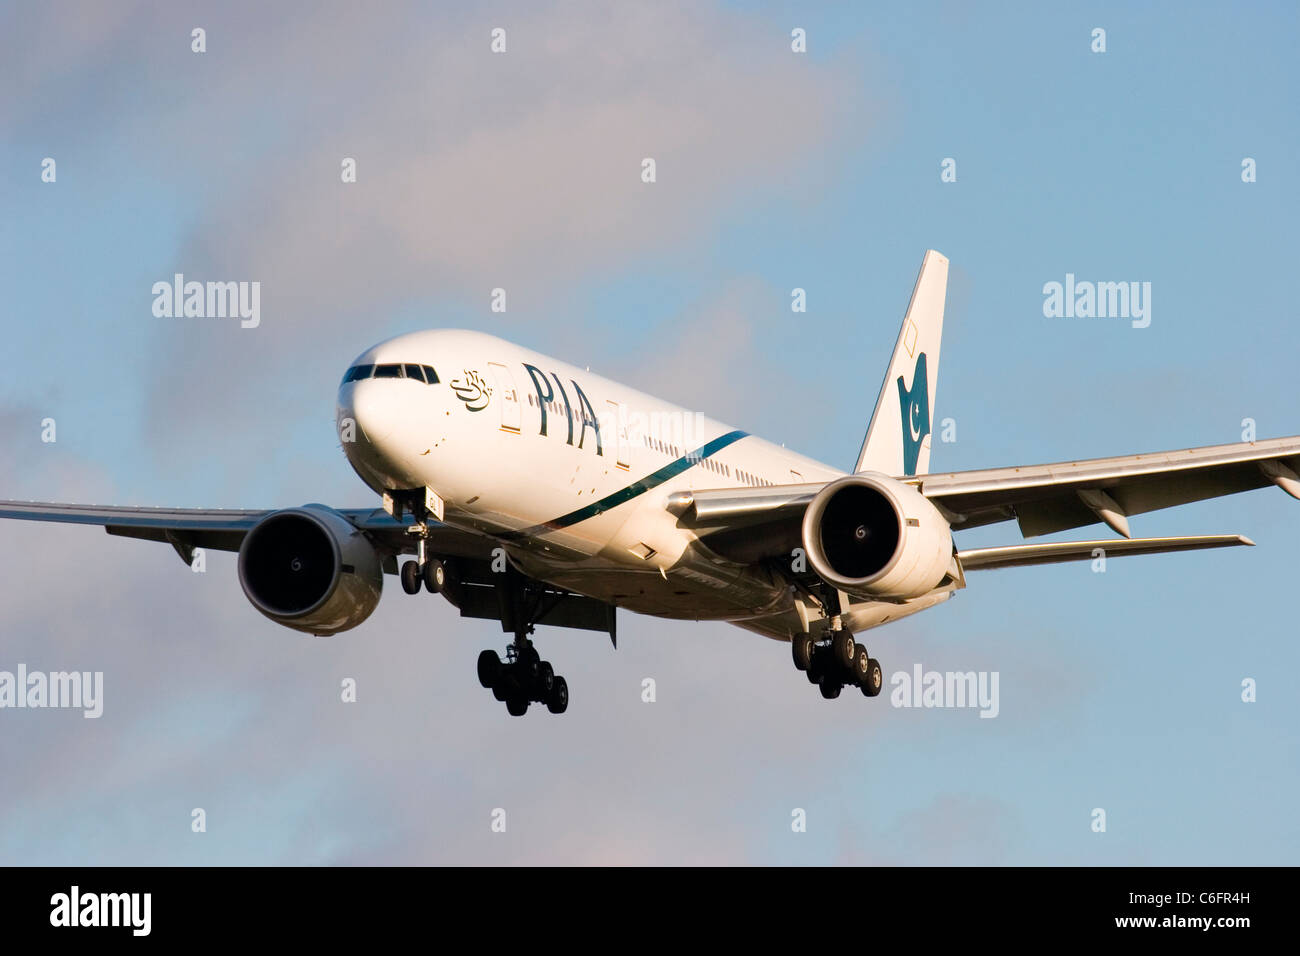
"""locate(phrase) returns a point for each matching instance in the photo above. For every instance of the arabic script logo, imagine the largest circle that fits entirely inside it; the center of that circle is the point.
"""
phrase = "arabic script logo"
(472, 390)
(914, 403)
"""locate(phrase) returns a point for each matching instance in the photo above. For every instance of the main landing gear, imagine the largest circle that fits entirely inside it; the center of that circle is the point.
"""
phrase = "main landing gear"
(523, 678)
(837, 662)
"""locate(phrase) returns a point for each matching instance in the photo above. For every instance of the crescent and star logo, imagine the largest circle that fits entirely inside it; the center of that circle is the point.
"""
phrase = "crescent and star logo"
(914, 404)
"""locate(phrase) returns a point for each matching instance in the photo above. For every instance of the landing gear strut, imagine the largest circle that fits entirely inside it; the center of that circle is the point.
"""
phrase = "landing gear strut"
(523, 678)
(424, 570)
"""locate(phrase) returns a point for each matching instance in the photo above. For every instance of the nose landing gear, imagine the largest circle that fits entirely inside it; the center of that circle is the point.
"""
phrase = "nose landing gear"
(424, 570)
(431, 574)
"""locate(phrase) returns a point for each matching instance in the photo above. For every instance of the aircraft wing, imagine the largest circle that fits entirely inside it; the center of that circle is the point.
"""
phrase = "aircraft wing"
(1023, 555)
(223, 530)
(750, 523)
(1048, 498)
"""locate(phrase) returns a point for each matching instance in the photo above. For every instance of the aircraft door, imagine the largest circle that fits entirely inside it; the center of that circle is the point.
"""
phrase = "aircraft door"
(505, 386)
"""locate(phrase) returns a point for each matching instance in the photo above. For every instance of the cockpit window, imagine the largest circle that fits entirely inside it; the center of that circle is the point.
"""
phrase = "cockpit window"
(419, 373)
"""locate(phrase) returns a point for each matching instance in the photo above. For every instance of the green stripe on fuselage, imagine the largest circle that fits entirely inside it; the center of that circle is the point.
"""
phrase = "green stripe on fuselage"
(637, 488)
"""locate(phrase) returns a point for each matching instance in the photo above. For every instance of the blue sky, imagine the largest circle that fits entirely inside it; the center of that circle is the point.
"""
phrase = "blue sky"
(776, 171)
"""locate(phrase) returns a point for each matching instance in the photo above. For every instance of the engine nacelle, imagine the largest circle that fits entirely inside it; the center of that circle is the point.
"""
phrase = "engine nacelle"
(873, 537)
(308, 568)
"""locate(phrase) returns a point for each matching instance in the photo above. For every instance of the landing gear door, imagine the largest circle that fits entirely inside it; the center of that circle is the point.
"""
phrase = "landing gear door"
(504, 383)
(616, 429)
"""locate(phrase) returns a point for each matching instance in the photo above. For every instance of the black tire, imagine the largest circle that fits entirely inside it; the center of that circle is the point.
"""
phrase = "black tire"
(410, 576)
(435, 575)
(844, 649)
(861, 668)
(875, 679)
(544, 681)
(500, 691)
(557, 702)
(831, 689)
(801, 649)
(529, 663)
(517, 706)
(816, 665)
(489, 669)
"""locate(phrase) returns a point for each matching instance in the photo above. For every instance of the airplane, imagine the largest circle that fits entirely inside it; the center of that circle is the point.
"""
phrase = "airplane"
(533, 492)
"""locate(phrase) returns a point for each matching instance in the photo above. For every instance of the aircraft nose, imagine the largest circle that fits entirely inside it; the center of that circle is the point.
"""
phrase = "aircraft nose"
(376, 421)
(372, 406)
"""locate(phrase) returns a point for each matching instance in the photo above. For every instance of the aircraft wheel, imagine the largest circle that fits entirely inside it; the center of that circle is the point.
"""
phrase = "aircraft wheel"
(831, 688)
(489, 668)
(874, 681)
(529, 663)
(544, 680)
(517, 706)
(844, 648)
(557, 702)
(816, 665)
(801, 649)
(435, 575)
(861, 667)
(411, 577)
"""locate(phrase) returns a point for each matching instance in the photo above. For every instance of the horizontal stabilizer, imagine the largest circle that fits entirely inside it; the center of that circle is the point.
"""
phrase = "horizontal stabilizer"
(1021, 555)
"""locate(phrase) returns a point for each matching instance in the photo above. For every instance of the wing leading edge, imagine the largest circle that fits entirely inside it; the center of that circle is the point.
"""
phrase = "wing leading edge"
(219, 529)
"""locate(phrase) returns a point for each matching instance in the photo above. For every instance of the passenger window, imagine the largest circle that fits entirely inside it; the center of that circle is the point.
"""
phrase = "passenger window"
(413, 371)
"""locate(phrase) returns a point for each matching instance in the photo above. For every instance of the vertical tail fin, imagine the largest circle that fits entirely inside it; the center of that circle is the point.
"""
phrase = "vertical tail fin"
(898, 438)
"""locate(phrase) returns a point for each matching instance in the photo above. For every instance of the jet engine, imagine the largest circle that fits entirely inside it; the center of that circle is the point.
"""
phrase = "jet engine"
(309, 569)
(873, 537)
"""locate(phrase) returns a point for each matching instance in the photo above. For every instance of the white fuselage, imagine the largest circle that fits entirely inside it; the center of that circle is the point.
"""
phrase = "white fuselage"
(570, 471)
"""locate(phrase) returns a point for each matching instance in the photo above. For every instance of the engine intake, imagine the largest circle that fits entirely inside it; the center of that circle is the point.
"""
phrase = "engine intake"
(308, 568)
(871, 536)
